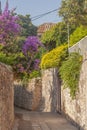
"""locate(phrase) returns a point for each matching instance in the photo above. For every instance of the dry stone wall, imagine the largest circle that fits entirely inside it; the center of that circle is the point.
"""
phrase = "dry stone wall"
(6, 98)
(28, 97)
(77, 109)
(44, 95)
(40, 93)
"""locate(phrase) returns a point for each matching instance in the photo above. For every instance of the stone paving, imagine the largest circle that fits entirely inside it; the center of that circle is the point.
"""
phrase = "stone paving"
(26, 120)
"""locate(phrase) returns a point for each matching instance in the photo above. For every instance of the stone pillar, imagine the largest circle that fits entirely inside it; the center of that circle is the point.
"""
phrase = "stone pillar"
(6, 98)
(49, 90)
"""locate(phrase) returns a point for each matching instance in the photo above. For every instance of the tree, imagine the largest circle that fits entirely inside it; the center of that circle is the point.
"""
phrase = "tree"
(9, 28)
(28, 29)
(73, 12)
(21, 55)
(56, 36)
(27, 62)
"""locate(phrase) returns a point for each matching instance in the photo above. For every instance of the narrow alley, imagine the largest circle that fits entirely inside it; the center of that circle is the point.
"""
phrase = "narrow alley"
(26, 120)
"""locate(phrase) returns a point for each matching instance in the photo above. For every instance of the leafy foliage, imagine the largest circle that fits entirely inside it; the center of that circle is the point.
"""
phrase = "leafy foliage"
(48, 39)
(27, 62)
(35, 74)
(78, 34)
(19, 52)
(7, 60)
(73, 12)
(54, 57)
(9, 28)
(70, 71)
(28, 29)
(56, 36)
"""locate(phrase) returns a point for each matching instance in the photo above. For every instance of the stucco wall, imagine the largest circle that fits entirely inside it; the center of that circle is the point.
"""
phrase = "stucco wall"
(6, 98)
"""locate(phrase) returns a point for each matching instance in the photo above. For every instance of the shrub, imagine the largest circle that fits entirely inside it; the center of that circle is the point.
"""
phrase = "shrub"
(22, 54)
(34, 74)
(78, 34)
(54, 57)
(7, 60)
(70, 71)
(49, 39)
(9, 28)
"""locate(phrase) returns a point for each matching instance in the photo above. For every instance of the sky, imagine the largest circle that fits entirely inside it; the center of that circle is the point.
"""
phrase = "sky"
(34, 8)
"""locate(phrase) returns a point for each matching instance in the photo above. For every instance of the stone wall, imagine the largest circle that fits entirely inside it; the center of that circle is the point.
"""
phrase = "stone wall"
(6, 98)
(80, 46)
(40, 94)
(28, 97)
(76, 109)
(49, 90)
(44, 95)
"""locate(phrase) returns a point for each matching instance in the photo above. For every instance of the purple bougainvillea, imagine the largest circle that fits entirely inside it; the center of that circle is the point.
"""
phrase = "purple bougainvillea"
(9, 27)
(27, 60)
(36, 64)
(30, 49)
(31, 45)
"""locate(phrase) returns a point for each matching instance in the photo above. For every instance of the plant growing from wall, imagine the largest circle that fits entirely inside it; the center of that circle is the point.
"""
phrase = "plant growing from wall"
(70, 72)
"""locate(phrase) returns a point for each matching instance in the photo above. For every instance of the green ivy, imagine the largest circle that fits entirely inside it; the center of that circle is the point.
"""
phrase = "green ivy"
(70, 72)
